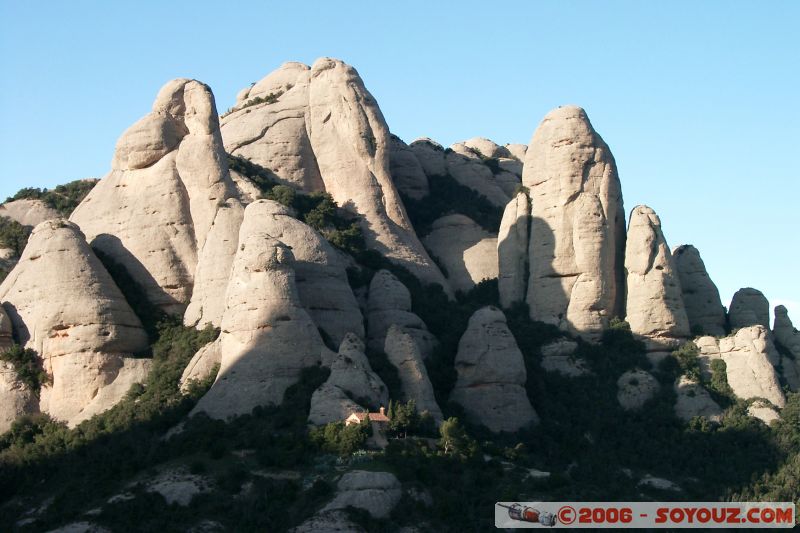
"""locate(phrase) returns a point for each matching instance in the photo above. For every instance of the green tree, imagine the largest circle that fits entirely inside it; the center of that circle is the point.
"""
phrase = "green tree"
(454, 439)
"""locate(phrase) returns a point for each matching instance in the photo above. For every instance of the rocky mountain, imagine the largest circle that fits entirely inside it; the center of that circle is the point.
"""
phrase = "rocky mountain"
(288, 318)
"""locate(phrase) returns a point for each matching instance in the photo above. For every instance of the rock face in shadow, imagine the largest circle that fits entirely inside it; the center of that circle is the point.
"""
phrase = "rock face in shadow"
(749, 307)
(153, 211)
(694, 400)
(267, 337)
(322, 130)
(6, 331)
(404, 353)
(467, 168)
(375, 492)
(407, 172)
(655, 309)
(788, 337)
(492, 375)
(352, 386)
(700, 296)
(750, 358)
(65, 306)
(388, 304)
(578, 225)
(467, 251)
(635, 388)
(512, 250)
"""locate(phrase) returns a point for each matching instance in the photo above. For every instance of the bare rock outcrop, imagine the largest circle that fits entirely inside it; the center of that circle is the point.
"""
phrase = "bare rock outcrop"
(559, 356)
(388, 304)
(403, 352)
(153, 211)
(65, 306)
(635, 388)
(785, 332)
(517, 151)
(28, 212)
(578, 225)
(351, 387)
(318, 128)
(6, 331)
(407, 172)
(268, 127)
(16, 398)
(320, 272)
(789, 338)
(512, 250)
(749, 307)
(467, 251)
(466, 167)
(214, 264)
(203, 365)
(700, 296)
(351, 372)
(750, 358)
(267, 337)
(430, 155)
(694, 400)
(375, 492)
(329, 404)
(492, 375)
(655, 309)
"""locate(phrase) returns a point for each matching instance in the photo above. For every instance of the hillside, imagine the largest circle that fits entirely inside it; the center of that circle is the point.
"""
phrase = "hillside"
(183, 340)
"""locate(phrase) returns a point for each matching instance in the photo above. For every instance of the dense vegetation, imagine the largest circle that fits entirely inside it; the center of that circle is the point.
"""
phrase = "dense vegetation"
(64, 198)
(27, 365)
(13, 235)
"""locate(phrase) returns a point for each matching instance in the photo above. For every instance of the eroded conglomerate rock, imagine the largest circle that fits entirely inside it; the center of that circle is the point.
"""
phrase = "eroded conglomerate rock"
(512, 250)
(694, 400)
(352, 386)
(467, 168)
(559, 356)
(213, 271)
(267, 337)
(407, 172)
(789, 338)
(65, 306)
(6, 331)
(578, 225)
(28, 212)
(322, 130)
(635, 388)
(700, 296)
(750, 358)
(320, 271)
(430, 155)
(16, 398)
(268, 127)
(492, 375)
(153, 211)
(467, 251)
(403, 352)
(375, 492)
(749, 307)
(203, 365)
(654, 306)
(389, 303)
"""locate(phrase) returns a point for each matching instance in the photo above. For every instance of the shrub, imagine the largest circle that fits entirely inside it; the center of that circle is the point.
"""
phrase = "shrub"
(13, 235)
(64, 198)
(686, 355)
(340, 439)
(27, 365)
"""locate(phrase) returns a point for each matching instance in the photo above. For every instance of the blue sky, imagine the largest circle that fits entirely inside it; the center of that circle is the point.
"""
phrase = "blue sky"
(697, 100)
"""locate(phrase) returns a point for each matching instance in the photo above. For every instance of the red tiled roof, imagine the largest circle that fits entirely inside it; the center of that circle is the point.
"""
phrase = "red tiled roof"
(374, 417)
